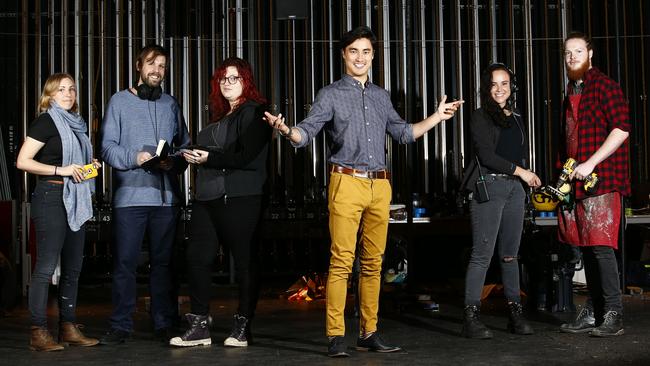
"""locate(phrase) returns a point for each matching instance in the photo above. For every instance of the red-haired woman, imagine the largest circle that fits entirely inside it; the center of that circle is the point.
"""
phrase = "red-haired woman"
(230, 180)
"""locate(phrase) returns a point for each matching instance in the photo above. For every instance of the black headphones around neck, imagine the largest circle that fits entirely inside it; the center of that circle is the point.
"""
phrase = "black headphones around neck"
(147, 92)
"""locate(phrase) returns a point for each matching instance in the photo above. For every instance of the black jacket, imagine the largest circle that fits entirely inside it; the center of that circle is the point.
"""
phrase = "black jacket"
(485, 137)
(244, 157)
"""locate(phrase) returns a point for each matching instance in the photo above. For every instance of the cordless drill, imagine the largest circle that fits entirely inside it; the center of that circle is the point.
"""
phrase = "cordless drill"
(562, 190)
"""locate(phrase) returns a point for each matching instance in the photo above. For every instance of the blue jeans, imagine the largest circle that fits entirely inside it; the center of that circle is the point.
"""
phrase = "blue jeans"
(501, 218)
(54, 238)
(129, 226)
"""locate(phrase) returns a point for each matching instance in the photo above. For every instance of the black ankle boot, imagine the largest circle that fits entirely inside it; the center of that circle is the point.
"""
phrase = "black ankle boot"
(240, 328)
(612, 325)
(583, 323)
(197, 335)
(517, 324)
(472, 325)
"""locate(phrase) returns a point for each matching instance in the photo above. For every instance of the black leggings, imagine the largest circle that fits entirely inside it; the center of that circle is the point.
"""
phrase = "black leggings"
(233, 223)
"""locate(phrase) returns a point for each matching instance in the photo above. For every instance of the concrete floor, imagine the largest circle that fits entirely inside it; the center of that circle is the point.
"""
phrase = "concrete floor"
(288, 333)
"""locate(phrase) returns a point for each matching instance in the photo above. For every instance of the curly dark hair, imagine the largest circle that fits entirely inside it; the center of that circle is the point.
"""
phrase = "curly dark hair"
(493, 109)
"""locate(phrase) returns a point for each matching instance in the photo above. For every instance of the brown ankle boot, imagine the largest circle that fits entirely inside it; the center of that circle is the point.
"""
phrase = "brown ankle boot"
(42, 340)
(70, 333)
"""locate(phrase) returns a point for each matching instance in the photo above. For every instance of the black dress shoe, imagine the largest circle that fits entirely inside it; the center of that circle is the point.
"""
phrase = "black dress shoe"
(337, 347)
(114, 337)
(374, 343)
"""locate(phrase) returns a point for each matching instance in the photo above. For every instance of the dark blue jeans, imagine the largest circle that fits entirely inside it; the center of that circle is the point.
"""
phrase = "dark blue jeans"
(129, 226)
(54, 238)
(499, 222)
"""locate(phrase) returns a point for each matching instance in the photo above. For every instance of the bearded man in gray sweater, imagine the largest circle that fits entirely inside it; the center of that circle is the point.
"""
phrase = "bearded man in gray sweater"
(145, 195)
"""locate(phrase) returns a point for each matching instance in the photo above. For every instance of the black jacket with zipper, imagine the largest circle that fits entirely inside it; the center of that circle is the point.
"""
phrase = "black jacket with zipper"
(485, 138)
(243, 160)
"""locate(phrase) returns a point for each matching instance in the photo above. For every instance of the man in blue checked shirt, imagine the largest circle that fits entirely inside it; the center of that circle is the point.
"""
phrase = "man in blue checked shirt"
(357, 114)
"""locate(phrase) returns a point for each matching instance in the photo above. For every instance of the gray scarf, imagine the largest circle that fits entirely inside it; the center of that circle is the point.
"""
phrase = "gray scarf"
(76, 149)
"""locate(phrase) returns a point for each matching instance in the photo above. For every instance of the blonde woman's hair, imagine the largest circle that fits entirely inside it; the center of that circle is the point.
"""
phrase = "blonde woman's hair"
(52, 87)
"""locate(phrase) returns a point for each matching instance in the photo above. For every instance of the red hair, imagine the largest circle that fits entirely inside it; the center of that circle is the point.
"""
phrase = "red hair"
(219, 105)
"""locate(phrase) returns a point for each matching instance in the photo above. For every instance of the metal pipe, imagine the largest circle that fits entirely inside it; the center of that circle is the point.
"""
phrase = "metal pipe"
(143, 23)
(348, 14)
(65, 45)
(118, 41)
(160, 34)
(530, 80)
(424, 92)
(493, 27)
(239, 32)
(186, 104)
(129, 41)
(476, 41)
(90, 64)
(50, 40)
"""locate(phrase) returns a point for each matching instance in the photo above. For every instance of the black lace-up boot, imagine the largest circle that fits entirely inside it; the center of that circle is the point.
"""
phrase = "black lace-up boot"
(517, 324)
(612, 325)
(583, 323)
(472, 325)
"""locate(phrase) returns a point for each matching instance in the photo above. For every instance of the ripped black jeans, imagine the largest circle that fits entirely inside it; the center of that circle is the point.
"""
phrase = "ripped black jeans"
(497, 222)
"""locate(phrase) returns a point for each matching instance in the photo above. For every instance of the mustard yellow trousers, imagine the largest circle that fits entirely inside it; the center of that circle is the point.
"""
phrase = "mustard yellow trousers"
(353, 201)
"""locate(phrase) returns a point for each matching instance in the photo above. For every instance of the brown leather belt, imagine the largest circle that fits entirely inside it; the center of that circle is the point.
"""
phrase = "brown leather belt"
(376, 174)
(55, 181)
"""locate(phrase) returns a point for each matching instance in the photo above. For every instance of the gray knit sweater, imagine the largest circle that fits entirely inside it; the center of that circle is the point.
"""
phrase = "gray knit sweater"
(132, 125)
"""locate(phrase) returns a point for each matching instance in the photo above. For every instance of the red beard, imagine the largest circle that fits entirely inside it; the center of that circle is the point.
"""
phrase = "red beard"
(579, 73)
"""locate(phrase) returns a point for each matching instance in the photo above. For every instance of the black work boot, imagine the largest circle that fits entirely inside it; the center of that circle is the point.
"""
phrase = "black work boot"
(583, 323)
(612, 325)
(197, 335)
(472, 325)
(240, 328)
(517, 324)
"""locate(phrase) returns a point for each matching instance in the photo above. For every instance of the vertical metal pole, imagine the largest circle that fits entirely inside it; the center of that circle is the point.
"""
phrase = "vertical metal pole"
(24, 107)
(312, 96)
(239, 29)
(348, 14)
(50, 40)
(423, 89)
(65, 45)
(477, 50)
(77, 51)
(530, 79)
(160, 31)
(186, 101)
(226, 30)
(143, 25)
(118, 41)
(90, 66)
(129, 41)
(493, 27)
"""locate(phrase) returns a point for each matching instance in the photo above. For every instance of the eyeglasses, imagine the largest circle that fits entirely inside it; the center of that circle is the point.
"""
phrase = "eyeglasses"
(231, 79)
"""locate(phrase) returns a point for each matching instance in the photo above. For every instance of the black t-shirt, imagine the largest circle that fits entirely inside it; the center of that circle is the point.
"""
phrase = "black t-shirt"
(44, 130)
(511, 142)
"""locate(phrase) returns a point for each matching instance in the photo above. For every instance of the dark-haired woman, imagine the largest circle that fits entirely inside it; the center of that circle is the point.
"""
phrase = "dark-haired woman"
(55, 149)
(500, 144)
(230, 181)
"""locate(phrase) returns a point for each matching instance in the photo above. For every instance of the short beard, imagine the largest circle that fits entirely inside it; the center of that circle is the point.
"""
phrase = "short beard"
(575, 75)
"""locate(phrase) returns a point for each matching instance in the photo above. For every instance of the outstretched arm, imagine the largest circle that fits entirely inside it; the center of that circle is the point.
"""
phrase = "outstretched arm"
(444, 112)
(277, 122)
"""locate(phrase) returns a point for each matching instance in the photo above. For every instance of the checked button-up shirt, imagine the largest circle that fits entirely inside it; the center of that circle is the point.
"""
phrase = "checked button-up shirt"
(356, 120)
(602, 108)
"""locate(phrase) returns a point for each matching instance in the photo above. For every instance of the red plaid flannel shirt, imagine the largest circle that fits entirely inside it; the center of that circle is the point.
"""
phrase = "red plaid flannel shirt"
(602, 109)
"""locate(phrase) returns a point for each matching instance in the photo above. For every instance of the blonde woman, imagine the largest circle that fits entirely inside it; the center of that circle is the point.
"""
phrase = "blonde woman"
(55, 149)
